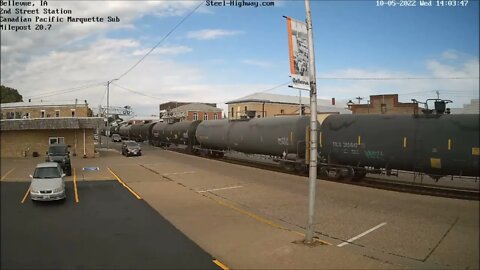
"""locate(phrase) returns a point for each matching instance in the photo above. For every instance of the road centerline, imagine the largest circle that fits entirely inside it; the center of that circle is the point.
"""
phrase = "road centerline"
(215, 189)
(125, 185)
(349, 241)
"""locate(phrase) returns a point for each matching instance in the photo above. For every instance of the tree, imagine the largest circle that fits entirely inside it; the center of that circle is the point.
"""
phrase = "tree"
(8, 95)
(89, 112)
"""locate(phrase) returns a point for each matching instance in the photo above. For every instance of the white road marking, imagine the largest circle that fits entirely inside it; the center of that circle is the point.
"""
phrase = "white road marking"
(178, 173)
(215, 189)
(360, 235)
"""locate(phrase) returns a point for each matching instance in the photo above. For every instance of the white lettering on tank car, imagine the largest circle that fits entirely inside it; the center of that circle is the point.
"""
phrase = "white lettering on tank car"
(282, 140)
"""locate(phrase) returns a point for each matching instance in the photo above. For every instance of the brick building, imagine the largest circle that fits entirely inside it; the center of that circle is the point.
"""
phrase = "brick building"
(193, 111)
(384, 104)
(165, 107)
(28, 128)
(25, 110)
(270, 105)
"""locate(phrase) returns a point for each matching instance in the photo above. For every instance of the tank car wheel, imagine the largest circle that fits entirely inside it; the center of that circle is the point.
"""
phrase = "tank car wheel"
(300, 168)
(360, 173)
(330, 173)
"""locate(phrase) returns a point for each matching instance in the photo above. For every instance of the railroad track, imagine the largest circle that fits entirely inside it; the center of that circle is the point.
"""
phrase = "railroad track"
(400, 186)
(392, 185)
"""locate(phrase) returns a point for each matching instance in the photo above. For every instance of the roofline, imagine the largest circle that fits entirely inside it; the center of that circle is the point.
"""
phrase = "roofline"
(6, 106)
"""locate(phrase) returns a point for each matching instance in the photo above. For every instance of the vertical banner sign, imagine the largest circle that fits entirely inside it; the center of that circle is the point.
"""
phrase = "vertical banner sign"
(298, 50)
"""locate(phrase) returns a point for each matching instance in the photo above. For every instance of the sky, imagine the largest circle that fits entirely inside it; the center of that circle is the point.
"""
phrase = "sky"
(221, 53)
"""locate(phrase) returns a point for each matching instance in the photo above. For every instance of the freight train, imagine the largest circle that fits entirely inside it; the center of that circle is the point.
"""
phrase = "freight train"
(348, 145)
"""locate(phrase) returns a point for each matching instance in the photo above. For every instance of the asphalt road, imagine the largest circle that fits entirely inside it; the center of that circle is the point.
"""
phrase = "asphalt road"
(108, 229)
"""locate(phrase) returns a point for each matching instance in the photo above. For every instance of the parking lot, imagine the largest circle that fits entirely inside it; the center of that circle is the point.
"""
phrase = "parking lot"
(245, 217)
(109, 228)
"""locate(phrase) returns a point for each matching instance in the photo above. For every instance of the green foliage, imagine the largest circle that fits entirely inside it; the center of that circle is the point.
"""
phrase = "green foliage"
(89, 112)
(8, 95)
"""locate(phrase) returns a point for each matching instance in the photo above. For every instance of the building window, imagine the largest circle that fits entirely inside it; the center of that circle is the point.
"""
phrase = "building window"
(383, 108)
(205, 116)
(18, 115)
(26, 115)
(215, 116)
(73, 112)
(195, 116)
(282, 111)
(232, 112)
(55, 140)
(57, 113)
(42, 113)
(245, 108)
(1, 115)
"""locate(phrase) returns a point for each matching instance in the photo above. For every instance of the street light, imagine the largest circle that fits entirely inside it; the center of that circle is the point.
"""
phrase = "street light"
(107, 132)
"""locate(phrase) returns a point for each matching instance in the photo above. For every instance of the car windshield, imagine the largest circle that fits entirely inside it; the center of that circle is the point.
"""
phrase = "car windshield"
(57, 150)
(134, 144)
(46, 172)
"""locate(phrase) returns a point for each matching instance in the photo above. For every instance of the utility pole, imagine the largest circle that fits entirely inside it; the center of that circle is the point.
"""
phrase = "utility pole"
(107, 131)
(300, 101)
(313, 130)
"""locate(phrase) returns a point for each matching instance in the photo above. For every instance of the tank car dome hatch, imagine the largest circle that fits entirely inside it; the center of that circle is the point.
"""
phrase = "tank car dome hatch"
(440, 106)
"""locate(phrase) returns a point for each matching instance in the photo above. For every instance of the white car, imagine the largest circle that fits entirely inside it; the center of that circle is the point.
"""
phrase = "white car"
(47, 182)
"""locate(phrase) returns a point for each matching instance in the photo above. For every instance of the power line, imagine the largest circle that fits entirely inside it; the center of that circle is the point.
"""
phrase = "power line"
(64, 91)
(103, 97)
(275, 87)
(266, 90)
(137, 92)
(165, 37)
(396, 78)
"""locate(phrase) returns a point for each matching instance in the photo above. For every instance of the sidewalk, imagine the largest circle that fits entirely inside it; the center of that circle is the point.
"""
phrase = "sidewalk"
(235, 236)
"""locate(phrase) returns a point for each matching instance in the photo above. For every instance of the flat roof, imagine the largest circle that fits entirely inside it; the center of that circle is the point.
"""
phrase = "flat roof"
(41, 104)
(51, 123)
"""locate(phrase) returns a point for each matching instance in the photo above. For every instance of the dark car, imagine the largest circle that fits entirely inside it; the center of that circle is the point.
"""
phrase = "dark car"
(116, 138)
(131, 148)
(59, 153)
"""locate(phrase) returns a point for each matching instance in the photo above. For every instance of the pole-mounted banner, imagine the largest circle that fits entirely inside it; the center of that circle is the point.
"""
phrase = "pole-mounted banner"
(298, 51)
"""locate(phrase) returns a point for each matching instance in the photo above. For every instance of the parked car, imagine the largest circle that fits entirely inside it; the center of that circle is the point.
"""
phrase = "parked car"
(131, 148)
(47, 182)
(59, 153)
(116, 138)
